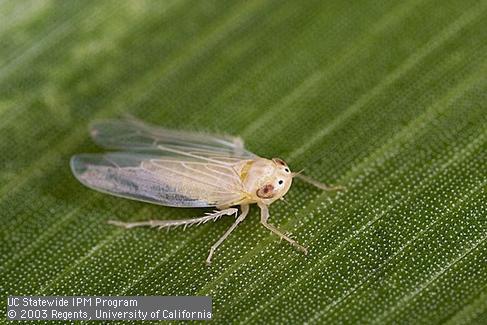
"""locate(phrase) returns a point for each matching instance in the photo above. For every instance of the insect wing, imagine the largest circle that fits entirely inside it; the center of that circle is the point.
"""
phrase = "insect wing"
(170, 180)
(134, 135)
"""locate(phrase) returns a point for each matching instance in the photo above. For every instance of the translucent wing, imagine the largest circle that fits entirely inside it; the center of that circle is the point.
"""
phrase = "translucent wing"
(134, 135)
(171, 180)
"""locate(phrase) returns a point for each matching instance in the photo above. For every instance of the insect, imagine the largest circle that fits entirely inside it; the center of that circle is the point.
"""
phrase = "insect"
(187, 170)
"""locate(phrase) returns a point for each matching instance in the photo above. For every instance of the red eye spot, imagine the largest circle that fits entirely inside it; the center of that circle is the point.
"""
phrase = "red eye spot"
(265, 191)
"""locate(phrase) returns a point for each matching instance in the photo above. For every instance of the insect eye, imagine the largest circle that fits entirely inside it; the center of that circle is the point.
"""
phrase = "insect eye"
(280, 182)
(279, 161)
(266, 191)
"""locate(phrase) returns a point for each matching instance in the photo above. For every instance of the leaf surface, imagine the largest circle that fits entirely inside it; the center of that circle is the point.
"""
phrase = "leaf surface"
(386, 98)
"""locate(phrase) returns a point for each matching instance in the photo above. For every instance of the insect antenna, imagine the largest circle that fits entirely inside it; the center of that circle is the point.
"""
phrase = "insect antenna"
(317, 184)
(298, 173)
(314, 182)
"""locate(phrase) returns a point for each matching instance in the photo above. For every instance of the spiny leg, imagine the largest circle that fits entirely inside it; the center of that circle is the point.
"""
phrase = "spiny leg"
(169, 223)
(264, 216)
(241, 217)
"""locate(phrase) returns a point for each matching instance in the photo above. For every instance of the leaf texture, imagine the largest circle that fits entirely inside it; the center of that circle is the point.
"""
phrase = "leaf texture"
(386, 98)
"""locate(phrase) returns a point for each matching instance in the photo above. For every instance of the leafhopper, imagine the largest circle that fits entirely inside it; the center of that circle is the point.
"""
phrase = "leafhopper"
(187, 170)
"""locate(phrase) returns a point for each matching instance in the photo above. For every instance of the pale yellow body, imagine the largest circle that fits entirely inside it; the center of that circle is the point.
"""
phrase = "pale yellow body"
(184, 169)
(263, 180)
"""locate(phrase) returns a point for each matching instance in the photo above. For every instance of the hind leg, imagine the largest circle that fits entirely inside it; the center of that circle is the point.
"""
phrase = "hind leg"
(170, 223)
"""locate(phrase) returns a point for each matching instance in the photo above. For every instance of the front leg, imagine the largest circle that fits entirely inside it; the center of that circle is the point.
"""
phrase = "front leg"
(264, 216)
(241, 217)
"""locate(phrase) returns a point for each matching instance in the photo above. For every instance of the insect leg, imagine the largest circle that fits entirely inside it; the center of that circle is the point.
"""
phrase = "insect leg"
(241, 217)
(264, 216)
(169, 223)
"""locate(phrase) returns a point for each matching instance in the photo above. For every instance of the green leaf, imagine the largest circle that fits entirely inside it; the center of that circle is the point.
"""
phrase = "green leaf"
(386, 98)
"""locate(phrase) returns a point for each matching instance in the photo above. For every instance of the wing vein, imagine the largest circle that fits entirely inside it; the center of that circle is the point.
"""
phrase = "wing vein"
(190, 177)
